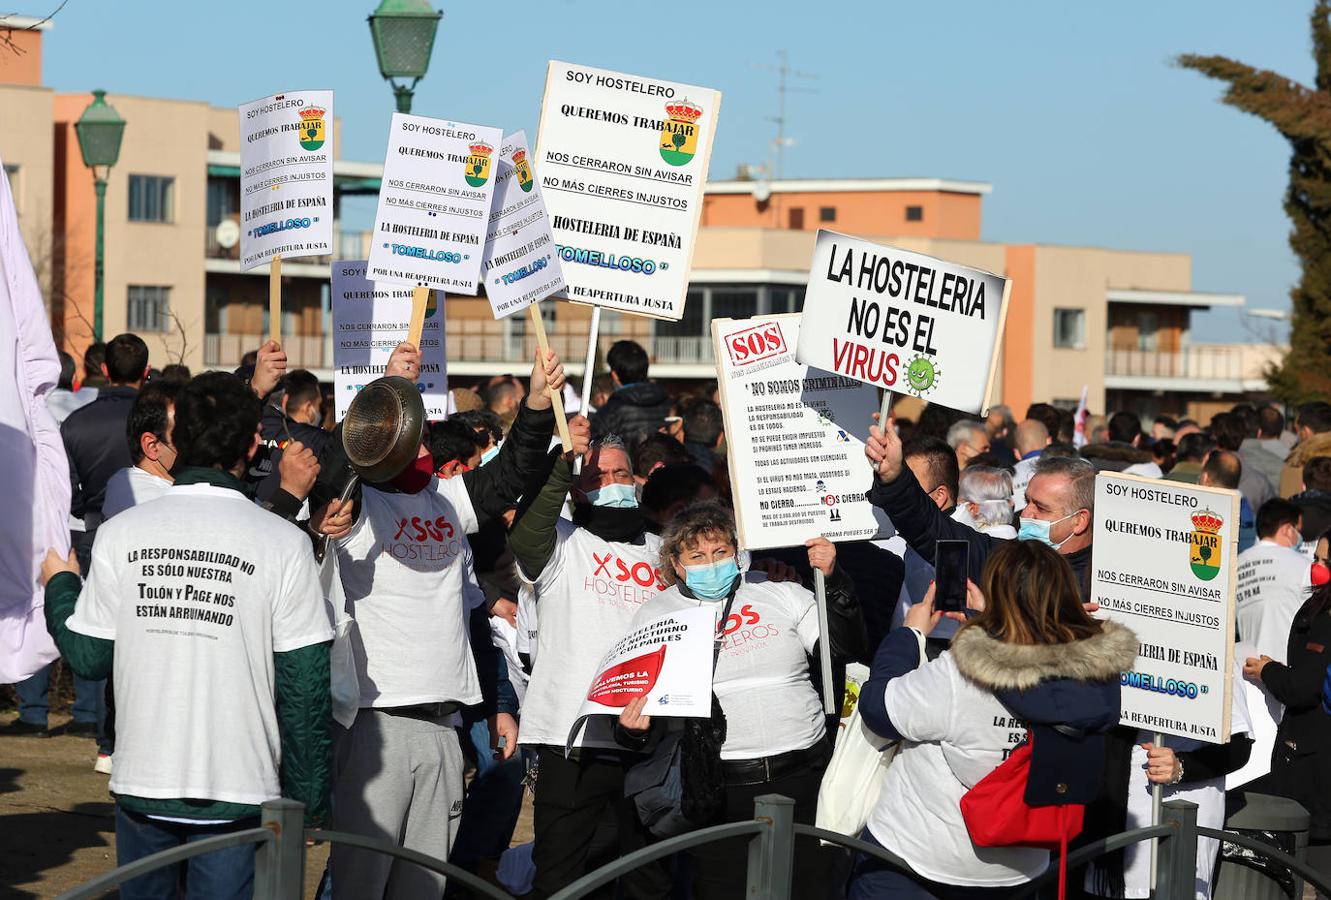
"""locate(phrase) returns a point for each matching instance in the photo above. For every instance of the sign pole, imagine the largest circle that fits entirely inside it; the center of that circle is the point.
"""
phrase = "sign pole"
(556, 398)
(420, 299)
(275, 300)
(1157, 796)
(587, 373)
(824, 642)
(886, 409)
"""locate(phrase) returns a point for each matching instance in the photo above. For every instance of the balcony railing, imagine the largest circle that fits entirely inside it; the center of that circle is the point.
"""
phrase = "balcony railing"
(224, 351)
(1202, 362)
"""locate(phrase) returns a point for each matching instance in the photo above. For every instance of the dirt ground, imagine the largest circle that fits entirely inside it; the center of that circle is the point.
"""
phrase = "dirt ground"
(57, 824)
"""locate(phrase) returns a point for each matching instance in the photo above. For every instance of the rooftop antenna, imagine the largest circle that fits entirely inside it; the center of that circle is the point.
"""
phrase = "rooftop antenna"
(784, 72)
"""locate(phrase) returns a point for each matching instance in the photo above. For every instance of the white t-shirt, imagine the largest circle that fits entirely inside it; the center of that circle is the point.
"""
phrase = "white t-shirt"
(505, 638)
(762, 673)
(1273, 583)
(199, 589)
(956, 734)
(1145, 470)
(404, 572)
(525, 641)
(130, 487)
(587, 595)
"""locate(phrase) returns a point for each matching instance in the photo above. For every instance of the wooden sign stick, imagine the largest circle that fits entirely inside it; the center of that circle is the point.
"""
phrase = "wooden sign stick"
(275, 300)
(420, 298)
(556, 398)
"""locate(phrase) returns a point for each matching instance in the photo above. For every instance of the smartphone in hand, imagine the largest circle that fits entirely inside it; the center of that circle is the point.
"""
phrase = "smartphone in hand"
(951, 569)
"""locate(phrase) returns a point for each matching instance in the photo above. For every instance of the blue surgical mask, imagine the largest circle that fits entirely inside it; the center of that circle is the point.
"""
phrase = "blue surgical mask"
(614, 496)
(1038, 530)
(713, 580)
(489, 454)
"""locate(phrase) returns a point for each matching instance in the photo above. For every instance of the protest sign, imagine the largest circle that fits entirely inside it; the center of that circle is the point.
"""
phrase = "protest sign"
(434, 203)
(1165, 566)
(369, 320)
(903, 321)
(794, 439)
(286, 177)
(623, 160)
(519, 259)
(668, 659)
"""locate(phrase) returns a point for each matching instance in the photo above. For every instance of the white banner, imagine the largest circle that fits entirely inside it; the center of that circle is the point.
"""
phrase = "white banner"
(623, 160)
(668, 659)
(794, 439)
(369, 320)
(286, 177)
(903, 321)
(1165, 565)
(519, 260)
(434, 203)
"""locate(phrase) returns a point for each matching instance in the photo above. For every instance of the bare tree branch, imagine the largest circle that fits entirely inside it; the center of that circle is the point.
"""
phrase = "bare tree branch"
(7, 36)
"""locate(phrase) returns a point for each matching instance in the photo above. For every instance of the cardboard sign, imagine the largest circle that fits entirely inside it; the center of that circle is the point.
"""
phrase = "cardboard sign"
(623, 161)
(434, 203)
(794, 439)
(369, 320)
(668, 659)
(286, 177)
(1165, 565)
(519, 261)
(903, 321)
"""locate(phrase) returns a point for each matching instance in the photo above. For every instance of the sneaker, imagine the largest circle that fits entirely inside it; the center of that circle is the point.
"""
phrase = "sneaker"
(103, 764)
(18, 727)
(81, 729)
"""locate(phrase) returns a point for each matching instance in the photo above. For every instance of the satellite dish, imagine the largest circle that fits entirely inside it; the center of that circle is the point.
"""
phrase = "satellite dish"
(227, 233)
(762, 190)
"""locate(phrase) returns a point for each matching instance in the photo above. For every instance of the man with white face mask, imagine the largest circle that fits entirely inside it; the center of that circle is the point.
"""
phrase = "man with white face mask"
(590, 576)
(1059, 502)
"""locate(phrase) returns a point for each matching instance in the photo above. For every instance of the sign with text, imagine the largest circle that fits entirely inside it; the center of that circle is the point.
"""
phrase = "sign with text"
(903, 321)
(794, 439)
(1164, 565)
(286, 177)
(668, 659)
(434, 203)
(623, 161)
(519, 260)
(369, 320)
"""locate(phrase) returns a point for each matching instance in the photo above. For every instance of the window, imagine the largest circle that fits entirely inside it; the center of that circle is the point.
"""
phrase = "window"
(149, 308)
(914, 213)
(150, 198)
(1070, 328)
(1148, 332)
(827, 214)
(785, 300)
(795, 219)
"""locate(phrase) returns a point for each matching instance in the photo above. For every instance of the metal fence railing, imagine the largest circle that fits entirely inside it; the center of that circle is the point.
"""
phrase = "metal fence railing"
(279, 866)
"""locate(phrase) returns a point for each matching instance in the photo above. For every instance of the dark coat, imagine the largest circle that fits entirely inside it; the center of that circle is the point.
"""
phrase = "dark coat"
(276, 430)
(1316, 509)
(633, 412)
(1114, 456)
(95, 442)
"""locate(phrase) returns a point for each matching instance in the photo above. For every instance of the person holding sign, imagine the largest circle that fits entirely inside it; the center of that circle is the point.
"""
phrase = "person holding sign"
(775, 731)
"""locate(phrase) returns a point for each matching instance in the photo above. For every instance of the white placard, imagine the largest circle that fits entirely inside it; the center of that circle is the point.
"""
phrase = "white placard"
(434, 203)
(519, 261)
(286, 177)
(903, 321)
(623, 160)
(1164, 564)
(669, 659)
(794, 439)
(369, 320)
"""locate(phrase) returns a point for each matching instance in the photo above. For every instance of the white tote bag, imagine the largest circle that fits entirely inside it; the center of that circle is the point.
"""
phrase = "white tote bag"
(854, 777)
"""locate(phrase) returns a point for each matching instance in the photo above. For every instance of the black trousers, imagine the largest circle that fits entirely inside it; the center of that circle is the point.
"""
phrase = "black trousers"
(572, 797)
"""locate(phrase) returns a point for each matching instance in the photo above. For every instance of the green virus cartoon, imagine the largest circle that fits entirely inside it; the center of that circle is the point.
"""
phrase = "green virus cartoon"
(922, 376)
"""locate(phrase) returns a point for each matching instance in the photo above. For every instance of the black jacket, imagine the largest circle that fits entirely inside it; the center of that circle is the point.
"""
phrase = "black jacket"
(276, 430)
(97, 448)
(1301, 760)
(921, 524)
(1316, 509)
(633, 412)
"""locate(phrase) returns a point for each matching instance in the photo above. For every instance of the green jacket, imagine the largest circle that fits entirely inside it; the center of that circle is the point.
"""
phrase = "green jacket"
(304, 704)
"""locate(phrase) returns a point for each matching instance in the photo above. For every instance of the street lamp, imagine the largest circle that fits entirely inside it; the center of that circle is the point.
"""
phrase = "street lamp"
(403, 32)
(99, 129)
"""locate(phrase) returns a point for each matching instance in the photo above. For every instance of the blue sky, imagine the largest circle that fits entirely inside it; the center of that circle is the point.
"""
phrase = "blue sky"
(1073, 111)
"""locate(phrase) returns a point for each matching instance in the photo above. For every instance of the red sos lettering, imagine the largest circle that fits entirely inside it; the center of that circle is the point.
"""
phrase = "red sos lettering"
(421, 530)
(757, 343)
(745, 616)
(640, 573)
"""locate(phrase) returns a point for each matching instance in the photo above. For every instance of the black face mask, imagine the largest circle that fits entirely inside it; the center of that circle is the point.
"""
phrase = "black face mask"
(608, 523)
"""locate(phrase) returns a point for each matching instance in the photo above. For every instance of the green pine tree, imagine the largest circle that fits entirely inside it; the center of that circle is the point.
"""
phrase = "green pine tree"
(1302, 115)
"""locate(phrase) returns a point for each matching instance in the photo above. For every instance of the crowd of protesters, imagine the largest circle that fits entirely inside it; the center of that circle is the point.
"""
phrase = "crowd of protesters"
(471, 596)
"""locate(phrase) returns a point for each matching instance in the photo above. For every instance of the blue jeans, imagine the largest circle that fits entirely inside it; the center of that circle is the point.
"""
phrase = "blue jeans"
(494, 801)
(34, 699)
(221, 875)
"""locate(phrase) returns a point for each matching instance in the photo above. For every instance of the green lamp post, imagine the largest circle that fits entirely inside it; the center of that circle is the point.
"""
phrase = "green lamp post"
(99, 130)
(403, 32)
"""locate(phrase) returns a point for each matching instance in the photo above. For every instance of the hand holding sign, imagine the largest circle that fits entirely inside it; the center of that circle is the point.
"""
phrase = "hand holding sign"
(269, 367)
(822, 554)
(580, 430)
(405, 361)
(632, 720)
(883, 448)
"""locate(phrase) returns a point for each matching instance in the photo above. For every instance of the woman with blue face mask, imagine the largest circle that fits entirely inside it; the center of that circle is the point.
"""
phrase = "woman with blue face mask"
(775, 739)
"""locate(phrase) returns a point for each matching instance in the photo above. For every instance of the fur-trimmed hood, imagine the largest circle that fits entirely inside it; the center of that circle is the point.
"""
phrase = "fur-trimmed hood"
(998, 666)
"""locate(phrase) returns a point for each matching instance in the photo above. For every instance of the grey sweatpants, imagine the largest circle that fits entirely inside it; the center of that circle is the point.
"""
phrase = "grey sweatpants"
(400, 779)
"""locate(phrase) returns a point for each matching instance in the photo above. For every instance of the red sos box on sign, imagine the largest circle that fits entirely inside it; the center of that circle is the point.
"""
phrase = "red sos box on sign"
(756, 344)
